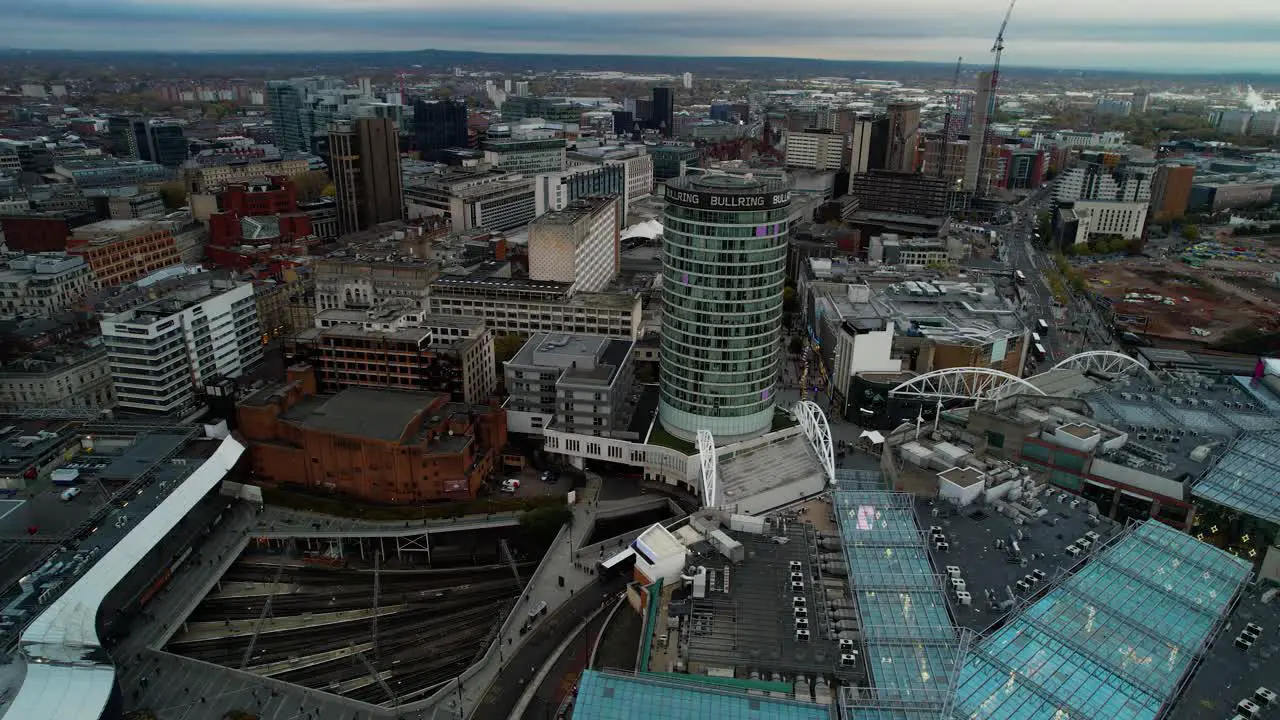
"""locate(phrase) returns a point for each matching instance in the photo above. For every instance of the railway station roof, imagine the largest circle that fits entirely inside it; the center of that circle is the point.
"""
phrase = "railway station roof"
(68, 673)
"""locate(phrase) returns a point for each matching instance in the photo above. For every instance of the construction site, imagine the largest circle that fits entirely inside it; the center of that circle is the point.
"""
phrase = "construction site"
(1174, 300)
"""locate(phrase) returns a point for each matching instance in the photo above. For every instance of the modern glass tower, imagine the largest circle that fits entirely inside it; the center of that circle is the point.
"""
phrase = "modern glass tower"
(723, 267)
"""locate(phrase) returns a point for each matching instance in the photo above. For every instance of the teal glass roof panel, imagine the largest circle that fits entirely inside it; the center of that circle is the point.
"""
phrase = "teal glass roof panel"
(610, 696)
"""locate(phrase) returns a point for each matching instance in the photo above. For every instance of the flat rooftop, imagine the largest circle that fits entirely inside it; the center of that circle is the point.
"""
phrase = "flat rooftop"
(989, 575)
(582, 359)
(1230, 674)
(770, 476)
(749, 624)
(362, 412)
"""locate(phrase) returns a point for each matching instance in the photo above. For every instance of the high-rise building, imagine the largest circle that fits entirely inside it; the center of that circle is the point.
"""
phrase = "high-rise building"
(1171, 191)
(687, 79)
(724, 265)
(904, 131)
(522, 88)
(579, 245)
(163, 352)
(984, 108)
(1141, 101)
(869, 145)
(898, 192)
(815, 149)
(439, 125)
(557, 190)
(663, 111)
(365, 163)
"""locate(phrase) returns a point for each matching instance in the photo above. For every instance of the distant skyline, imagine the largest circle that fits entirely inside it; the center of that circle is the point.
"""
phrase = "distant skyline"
(1152, 35)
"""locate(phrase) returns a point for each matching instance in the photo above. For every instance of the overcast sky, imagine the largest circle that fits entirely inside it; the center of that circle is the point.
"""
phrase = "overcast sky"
(1175, 35)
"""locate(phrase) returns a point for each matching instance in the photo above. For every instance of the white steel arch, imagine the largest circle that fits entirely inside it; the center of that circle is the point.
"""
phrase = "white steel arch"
(1103, 362)
(966, 383)
(814, 424)
(710, 469)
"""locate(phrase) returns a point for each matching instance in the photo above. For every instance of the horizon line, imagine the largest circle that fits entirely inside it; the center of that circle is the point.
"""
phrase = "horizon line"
(294, 53)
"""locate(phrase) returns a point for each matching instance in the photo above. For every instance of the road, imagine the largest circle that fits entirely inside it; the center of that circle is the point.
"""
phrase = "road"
(547, 636)
(566, 670)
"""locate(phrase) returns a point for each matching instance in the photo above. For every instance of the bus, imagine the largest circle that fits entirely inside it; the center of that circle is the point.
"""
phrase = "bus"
(1038, 352)
(1019, 277)
(1042, 327)
(1035, 338)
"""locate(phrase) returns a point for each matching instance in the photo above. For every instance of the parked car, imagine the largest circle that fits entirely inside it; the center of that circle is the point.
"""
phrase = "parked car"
(550, 476)
(70, 494)
(510, 486)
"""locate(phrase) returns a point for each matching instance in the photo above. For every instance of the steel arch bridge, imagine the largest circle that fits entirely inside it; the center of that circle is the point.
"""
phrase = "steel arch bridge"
(710, 468)
(813, 422)
(1102, 362)
(965, 383)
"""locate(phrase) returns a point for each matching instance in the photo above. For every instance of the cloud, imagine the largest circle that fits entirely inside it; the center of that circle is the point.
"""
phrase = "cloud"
(708, 27)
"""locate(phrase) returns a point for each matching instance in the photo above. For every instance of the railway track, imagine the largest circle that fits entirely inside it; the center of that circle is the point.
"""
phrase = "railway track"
(325, 601)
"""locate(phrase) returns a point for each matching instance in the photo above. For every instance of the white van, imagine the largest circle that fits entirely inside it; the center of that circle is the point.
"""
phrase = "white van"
(70, 493)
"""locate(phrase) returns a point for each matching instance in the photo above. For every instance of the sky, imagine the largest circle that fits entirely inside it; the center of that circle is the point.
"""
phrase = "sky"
(1170, 35)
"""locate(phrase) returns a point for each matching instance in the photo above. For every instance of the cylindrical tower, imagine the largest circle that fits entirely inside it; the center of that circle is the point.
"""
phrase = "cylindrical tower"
(724, 256)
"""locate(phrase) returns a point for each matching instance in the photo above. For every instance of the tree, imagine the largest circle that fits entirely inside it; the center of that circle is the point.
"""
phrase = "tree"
(543, 523)
(505, 347)
(174, 194)
(1190, 232)
(788, 299)
(329, 191)
(310, 185)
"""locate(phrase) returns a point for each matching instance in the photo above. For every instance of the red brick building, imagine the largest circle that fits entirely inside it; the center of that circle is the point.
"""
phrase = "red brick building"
(257, 220)
(42, 232)
(376, 445)
(121, 251)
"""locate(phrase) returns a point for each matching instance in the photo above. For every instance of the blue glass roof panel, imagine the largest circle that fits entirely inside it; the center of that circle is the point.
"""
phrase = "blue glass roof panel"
(609, 696)
(1247, 477)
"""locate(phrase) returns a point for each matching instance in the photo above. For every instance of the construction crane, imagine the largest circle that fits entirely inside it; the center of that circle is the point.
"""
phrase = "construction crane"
(990, 111)
(998, 48)
(948, 133)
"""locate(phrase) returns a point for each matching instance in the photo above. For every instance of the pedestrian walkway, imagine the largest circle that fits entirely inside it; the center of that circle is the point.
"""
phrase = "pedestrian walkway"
(296, 523)
(556, 579)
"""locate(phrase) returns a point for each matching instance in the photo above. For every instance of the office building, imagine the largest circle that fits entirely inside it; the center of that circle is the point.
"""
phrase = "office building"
(286, 302)
(511, 306)
(525, 156)
(904, 131)
(1112, 107)
(209, 173)
(127, 203)
(869, 145)
(623, 122)
(396, 346)
(109, 172)
(1265, 124)
(121, 251)
(65, 374)
(364, 161)
(382, 446)
(158, 141)
(557, 190)
(1087, 220)
(887, 191)
(43, 284)
(438, 125)
(1235, 122)
(571, 383)
(663, 111)
(984, 109)
(815, 149)
(634, 159)
(166, 351)
(1171, 191)
(473, 198)
(1140, 102)
(724, 264)
(522, 88)
(687, 80)
(346, 284)
(579, 245)
(672, 161)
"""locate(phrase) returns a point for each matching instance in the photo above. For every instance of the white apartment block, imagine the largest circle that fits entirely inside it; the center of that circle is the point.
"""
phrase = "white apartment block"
(815, 150)
(577, 245)
(639, 168)
(163, 352)
(58, 378)
(1096, 182)
(43, 283)
(1103, 219)
(524, 307)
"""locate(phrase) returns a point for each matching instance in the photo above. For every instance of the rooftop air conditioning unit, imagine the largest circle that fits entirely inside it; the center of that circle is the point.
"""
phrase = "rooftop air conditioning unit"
(798, 601)
(1040, 574)
(802, 623)
(1264, 697)
(953, 571)
(797, 587)
(848, 659)
(964, 598)
(943, 546)
(1022, 586)
(846, 645)
(1247, 708)
(1243, 642)
(802, 635)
